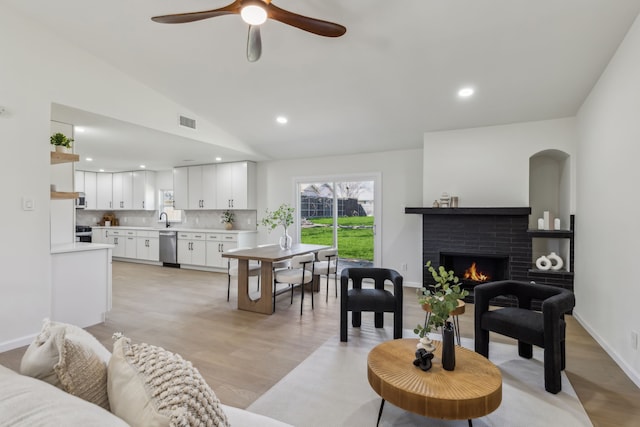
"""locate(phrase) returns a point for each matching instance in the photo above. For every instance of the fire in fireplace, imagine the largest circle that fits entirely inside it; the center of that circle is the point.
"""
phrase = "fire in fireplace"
(474, 269)
(472, 273)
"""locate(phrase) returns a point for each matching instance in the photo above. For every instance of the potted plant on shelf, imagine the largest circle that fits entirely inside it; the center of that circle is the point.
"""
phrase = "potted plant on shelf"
(283, 216)
(227, 218)
(440, 299)
(61, 143)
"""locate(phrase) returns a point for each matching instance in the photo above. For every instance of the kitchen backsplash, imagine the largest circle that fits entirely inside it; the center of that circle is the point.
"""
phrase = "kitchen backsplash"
(244, 219)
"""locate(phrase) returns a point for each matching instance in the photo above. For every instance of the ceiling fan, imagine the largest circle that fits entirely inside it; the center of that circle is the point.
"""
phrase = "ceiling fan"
(255, 13)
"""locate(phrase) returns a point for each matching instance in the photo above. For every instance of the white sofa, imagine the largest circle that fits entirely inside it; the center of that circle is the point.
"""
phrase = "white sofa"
(29, 402)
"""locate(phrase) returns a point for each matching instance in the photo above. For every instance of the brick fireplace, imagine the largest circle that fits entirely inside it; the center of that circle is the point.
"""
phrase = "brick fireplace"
(495, 238)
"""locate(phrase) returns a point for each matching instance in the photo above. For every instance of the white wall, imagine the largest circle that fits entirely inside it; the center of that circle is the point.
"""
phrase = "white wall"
(38, 69)
(607, 227)
(489, 166)
(401, 175)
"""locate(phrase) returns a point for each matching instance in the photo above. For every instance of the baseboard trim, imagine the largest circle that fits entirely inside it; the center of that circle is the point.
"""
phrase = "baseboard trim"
(626, 368)
(16, 343)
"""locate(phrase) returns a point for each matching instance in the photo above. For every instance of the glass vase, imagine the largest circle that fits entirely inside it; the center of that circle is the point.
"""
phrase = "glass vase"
(285, 240)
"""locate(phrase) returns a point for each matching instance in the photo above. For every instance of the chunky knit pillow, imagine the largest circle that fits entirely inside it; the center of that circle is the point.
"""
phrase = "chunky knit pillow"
(150, 386)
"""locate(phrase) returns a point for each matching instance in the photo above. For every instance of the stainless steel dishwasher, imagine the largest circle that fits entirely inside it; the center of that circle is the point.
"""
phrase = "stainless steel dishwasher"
(169, 247)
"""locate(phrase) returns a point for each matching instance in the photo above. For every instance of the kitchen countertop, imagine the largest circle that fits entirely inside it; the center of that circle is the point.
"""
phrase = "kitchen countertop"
(79, 247)
(180, 229)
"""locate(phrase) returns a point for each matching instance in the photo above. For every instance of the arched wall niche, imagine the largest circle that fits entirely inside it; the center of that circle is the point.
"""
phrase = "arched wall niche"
(549, 190)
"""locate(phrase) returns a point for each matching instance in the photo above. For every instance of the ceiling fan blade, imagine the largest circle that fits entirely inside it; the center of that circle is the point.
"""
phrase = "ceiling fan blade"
(254, 43)
(180, 18)
(312, 25)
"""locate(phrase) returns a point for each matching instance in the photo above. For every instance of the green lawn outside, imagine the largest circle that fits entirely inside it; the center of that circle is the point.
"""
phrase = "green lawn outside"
(353, 243)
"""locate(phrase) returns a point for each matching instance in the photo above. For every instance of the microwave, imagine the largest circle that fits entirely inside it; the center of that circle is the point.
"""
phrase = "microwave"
(81, 202)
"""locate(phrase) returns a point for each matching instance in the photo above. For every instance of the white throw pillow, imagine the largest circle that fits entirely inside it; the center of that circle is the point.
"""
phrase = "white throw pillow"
(149, 386)
(71, 359)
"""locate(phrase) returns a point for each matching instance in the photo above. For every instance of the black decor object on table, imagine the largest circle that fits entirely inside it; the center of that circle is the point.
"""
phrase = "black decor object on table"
(448, 347)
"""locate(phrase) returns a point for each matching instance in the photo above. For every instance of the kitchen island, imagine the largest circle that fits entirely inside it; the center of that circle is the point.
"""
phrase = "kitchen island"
(81, 283)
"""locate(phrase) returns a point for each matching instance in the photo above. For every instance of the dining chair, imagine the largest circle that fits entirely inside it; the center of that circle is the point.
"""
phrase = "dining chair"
(232, 270)
(299, 273)
(327, 264)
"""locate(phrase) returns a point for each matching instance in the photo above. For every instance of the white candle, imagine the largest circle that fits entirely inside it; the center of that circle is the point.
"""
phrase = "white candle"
(540, 224)
(556, 224)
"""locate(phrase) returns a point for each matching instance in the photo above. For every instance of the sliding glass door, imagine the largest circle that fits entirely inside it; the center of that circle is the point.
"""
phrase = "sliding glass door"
(340, 213)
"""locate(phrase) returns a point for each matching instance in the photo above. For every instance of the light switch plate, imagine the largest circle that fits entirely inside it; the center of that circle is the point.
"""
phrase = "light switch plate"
(28, 204)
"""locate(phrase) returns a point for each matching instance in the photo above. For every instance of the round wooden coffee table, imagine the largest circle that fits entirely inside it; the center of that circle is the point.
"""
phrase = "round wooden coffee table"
(472, 390)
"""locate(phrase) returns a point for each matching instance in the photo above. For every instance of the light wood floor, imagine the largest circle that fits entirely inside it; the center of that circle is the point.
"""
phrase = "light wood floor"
(242, 354)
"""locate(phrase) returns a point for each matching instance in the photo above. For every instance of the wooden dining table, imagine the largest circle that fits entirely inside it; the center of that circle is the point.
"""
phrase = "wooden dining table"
(267, 255)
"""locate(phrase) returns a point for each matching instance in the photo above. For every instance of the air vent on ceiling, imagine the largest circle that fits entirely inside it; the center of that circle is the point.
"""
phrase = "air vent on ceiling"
(187, 122)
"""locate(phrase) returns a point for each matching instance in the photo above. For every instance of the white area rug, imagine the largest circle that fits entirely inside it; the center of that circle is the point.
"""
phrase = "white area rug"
(330, 388)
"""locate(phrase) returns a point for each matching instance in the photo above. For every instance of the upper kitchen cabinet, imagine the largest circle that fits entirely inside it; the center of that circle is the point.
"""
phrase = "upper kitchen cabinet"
(123, 190)
(194, 187)
(144, 190)
(236, 185)
(85, 182)
(90, 190)
(181, 188)
(104, 193)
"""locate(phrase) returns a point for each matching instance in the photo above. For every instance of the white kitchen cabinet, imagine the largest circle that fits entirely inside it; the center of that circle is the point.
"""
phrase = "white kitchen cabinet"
(124, 242)
(90, 190)
(85, 182)
(192, 248)
(194, 187)
(119, 241)
(144, 190)
(131, 244)
(181, 188)
(202, 187)
(122, 190)
(236, 185)
(78, 181)
(104, 192)
(217, 243)
(148, 245)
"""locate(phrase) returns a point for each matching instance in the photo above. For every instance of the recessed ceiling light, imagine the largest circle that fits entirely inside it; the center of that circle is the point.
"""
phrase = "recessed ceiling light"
(465, 92)
(282, 120)
(89, 159)
(101, 170)
(218, 159)
(78, 129)
(143, 166)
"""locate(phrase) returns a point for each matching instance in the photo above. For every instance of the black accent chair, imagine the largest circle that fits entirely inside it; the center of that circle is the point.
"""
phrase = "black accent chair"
(544, 329)
(377, 299)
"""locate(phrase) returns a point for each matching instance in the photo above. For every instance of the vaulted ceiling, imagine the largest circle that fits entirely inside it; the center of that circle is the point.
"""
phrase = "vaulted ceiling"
(392, 77)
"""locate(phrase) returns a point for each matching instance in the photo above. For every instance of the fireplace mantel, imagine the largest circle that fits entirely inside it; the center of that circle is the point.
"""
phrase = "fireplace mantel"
(525, 211)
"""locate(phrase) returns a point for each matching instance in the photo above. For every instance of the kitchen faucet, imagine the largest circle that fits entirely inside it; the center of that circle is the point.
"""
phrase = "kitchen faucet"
(166, 219)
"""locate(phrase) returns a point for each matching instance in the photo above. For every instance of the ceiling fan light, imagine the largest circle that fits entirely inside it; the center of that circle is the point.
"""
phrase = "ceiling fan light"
(253, 15)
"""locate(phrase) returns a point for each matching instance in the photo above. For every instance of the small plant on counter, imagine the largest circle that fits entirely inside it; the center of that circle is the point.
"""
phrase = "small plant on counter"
(59, 139)
(227, 217)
